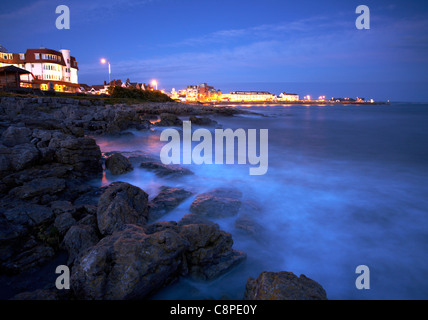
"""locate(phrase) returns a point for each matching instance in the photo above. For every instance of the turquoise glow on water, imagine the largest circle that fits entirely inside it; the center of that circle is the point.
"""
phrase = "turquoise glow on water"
(346, 186)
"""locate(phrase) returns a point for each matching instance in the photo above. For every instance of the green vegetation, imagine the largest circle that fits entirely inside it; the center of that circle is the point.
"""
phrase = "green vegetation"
(49, 235)
(117, 95)
(136, 94)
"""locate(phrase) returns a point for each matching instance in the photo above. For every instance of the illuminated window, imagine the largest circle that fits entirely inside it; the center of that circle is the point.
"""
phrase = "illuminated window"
(37, 56)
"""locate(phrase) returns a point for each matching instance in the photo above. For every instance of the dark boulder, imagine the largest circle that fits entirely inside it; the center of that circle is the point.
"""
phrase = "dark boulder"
(202, 121)
(129, 265)
(118, 164)
(196, 219)
(218, 203)
(283, 286)
(16, 135)
(210, 253)
(167, 200)
(78, 239)
(121, 204)
(162, 170)
(169, 120)
(39, 187)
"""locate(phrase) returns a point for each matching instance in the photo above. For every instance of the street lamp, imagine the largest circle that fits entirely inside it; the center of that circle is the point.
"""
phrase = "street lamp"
(155, 84)
(104, 61)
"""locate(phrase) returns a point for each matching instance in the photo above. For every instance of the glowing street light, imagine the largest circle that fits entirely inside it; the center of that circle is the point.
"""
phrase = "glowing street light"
(104, 61)
(155, 84)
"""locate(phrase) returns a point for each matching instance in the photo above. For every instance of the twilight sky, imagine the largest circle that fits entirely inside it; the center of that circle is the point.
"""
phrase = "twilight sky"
(306, 47)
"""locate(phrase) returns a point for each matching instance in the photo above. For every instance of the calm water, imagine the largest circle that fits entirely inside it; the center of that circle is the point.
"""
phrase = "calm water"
(346, 186)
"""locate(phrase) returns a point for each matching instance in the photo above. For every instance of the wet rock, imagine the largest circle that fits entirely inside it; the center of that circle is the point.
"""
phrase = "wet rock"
(169, 120)
(39, 187)
(29, 259)
(210, 253)
(78, 239)
(60, 207)
(162, 170)
(128, 265)
(29, 215)
(196, 219)
(90, 198)
(24, 155)
(167, 200)
(89, 219)
(63, 222)
(283, 286)
(218, 203)
(118, 164)
(42, 135)
(121, 204)
(202, 121)
(40, 295)
(161, 226)
(16, 135)
(81, 153)
(246, 223)
(9, 231)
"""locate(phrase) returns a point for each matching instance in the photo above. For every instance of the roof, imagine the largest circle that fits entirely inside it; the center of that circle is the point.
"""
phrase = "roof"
(13, 69)
(73, 63)
(98, 86)
(116, 83)
(85, 86)
(30, 58)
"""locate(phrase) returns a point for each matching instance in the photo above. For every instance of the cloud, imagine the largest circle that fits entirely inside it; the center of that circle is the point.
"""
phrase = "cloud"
(260, 32)
(317, 47)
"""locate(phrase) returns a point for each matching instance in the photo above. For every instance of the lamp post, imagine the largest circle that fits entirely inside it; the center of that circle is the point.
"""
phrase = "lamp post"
(104, 61)
(155, 84)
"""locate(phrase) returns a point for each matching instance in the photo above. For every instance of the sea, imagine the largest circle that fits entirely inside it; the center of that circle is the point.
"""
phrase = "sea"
(347, 185)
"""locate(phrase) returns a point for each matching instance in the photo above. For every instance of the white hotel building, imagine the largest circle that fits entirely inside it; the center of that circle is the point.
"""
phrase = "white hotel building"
(248, 96)
(48, 68)
(288, 97)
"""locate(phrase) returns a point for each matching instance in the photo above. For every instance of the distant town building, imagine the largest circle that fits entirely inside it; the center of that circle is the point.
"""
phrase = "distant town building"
(248, 96)
(98, 89)
(201, 92)
(208, 93)
(192, 93)
(103, 88)
(46, 68)
(288, 97)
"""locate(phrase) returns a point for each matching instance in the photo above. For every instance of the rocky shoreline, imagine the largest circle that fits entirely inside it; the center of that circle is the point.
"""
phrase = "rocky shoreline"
(114, 248)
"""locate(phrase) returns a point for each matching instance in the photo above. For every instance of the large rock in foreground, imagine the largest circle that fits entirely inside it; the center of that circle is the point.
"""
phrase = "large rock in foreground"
(283, 286)
(210, 252)
(121, 204)
(134, 262)
(129, 265)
